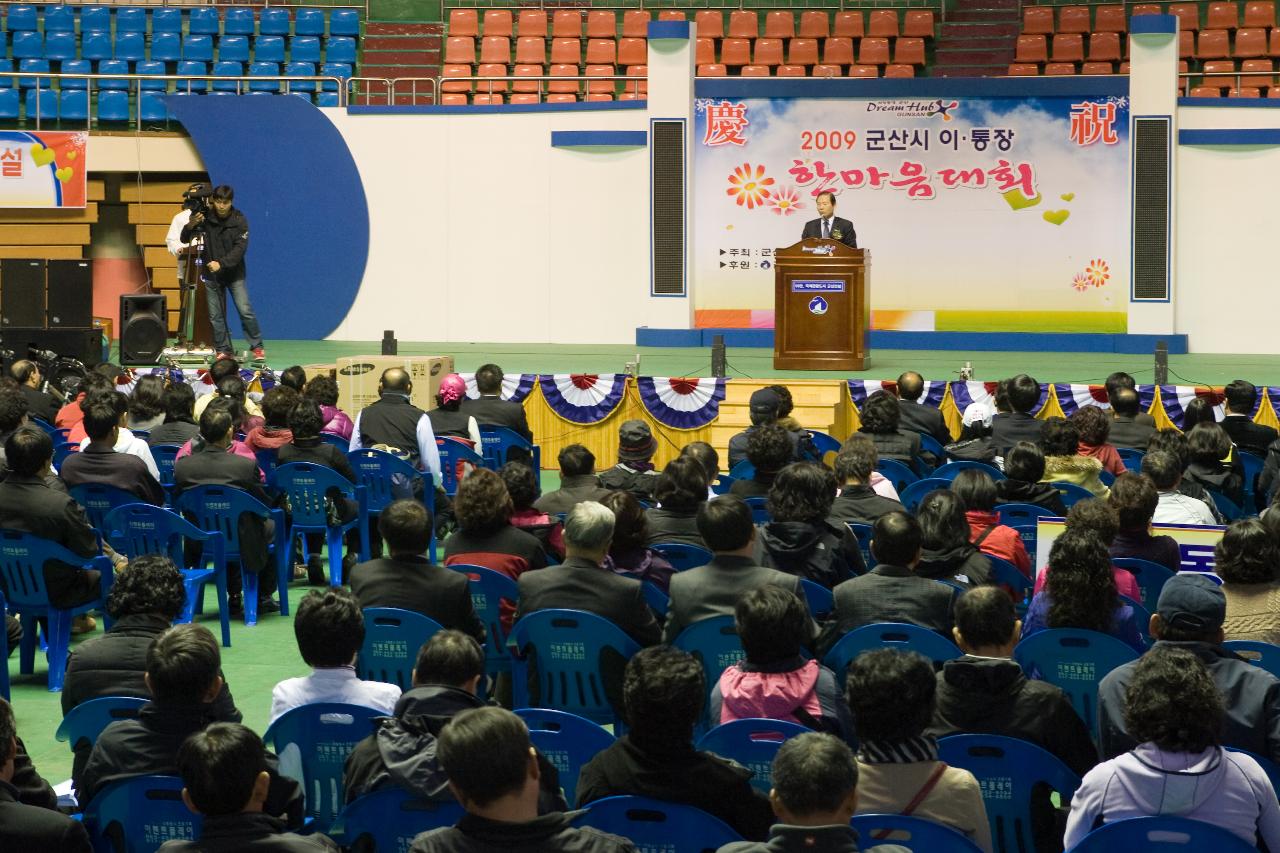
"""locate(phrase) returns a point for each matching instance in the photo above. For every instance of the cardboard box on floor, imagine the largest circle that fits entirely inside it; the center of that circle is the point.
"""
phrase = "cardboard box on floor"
(358, 378)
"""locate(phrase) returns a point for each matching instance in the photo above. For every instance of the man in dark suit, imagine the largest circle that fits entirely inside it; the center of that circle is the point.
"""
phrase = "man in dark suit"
(1126, 429)
(916, 416)
(1248, 436)
(724, 522)
(491, 409)
(580, 584)
(829, 225)
(99, 462)
(25, 827)
(406, 579)
(578, 482)
(40, 404)
(1018, 425)
(1119, 380)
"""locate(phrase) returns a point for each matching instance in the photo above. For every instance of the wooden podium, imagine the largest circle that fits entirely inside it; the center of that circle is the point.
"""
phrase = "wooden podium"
(820, 306)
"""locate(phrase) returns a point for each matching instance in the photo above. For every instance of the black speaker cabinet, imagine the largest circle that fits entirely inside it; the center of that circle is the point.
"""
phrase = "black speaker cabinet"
(22, 293)
(144, 328)
(81, 344)
(69, 301)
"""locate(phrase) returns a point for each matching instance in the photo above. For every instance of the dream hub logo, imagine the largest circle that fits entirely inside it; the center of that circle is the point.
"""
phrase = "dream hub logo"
(914, 109)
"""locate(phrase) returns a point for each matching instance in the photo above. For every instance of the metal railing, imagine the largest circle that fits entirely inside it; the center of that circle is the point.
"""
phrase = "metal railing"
(395, 90)
(1185, 86)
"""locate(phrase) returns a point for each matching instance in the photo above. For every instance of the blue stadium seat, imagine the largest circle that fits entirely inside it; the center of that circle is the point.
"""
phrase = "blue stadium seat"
(167, 47)
(129, 19)
(683, 556)
(198, 47)
(304, 48)
(152, 68)
(9, 104)
(323, 99)
(21, 19)
(1163, 834)
(113, 105)
(226, 68)
(96, 45)
(309, 22)
(911, 833)
(59, 19)
(234, 48)
(916, 492)
(889, 635)
(344, 22)
(274, 21)
(6, 80)
(203, 21)
(341, 49)
(269, 48)
(130, 46)
(75, 66)
(753, 743)
(194, 69)
(238, 22)
(302, 69)
(898, 473)
(151, 106)
(714, 642)
(166, 20)
(28, 45)
(34, 65)
(334, 69)
(73, 104)
(113, 66)
(60, 46)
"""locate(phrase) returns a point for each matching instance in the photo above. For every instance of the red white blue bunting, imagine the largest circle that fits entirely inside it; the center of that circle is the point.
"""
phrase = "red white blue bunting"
(515, 386)
(584, 398)
(681, 403)
(197, 378)
(964, 393)
(1072, 397)
(1176, 398)
(861, 389)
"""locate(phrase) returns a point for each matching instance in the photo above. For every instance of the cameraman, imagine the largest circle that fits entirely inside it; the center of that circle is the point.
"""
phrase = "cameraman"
(226, 234)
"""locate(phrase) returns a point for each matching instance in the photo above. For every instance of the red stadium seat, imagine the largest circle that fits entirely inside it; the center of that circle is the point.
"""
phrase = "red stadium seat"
(790, 71)
(527, 85)
(1110, 19)
(735, 52)
(1264, 66)
(497, 22)
(446, 85)
(864, 71)
(566, 24)
(873, 51)
(560, 98)
(1251, 42)
(597, 86)
(493, 70)
(453, 99)
(1260, 13)
(495, 49)
(848, 24)
(1244, 92)
(1037, 20)
(563, 86)
(566, 51)
(1273, 92)
(1146, 9)
(814, 25)
(704, 51)
(837, 51)
(1186, 44)
(768, 52)
(524, 98)
(633, 51)
(1068, 47)
(635, 23)
(712, 70)
(779, 25)
(641, 86)
(1023, 69)
(710, 23)
(531, 49)
(486, 99)
(463, 22)
(601, 24)
(918, 23)
(1222, 16)
(632, 96)
(1219, 66)
(754, 71)
(908, 51)
(1204, 92)
(1097, 68)
(1031, 48)
(1188, 15)
(601, 51)
(1273, 43)
(460, 49)
(1073, 19)
(671, 15)
(899, 71)
(598, 97)
(1059, 69)
(1213, 44)
(802, 52)
(1104, 47)
(826, 71)
(883, 23)
(532, 22)
(743, 24)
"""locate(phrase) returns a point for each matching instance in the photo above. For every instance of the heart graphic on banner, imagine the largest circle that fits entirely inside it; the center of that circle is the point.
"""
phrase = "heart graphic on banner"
(64, 174)
(1057, 217)
(41, 155)
(1018, 201)
(1067, 196)
(71, 155)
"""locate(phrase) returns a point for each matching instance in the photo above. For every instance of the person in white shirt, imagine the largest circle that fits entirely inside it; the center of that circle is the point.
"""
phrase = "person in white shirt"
(1173, 506)
(126, 441)
(330, 628)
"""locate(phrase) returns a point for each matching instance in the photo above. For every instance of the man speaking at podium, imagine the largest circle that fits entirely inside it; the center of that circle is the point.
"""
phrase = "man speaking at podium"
(829, 225)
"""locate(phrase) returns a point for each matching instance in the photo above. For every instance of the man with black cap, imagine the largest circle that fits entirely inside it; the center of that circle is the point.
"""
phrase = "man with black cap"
(1189, 615)
(635, 471)
(764, 406)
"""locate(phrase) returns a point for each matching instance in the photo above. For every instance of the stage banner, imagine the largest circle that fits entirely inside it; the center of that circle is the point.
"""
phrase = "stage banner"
(996, 213)
(42, 168)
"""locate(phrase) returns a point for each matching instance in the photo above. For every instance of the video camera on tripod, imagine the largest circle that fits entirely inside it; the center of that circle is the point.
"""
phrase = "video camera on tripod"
(62, 375)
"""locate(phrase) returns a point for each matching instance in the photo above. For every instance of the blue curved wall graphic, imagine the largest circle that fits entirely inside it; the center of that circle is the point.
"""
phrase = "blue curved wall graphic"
(297, 183)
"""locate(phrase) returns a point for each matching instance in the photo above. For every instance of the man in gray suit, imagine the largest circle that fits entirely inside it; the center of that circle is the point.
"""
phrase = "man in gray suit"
(1127, 429)
(725, 525)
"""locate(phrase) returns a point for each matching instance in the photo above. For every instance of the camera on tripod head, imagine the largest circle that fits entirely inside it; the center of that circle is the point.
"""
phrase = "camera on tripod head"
(196, 199)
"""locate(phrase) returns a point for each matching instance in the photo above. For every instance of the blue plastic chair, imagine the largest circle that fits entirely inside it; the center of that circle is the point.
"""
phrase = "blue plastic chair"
(824, 443)
(234, 48)
(715, 643)
(683, 556)
(167, 46)
(203, 20)
(73, 101)
(344, 22)
(914, 493)
(59, 46)
(921, 836)
(42, 104)
(99, 499)
(136, 529)
(1075, 661)
(304, 48)
(1151, 577)
(85, 721)
(488, 590)
(301, 69)
(264, 69)
(309, 22)
(1230, 509)
(657, 825)
(129, 19)
(387, 478)
(164, 20)
(497, 441)
(1008, 770)
(389, 820)
(567, 741)
(1141, 617)
(1016, 514)
(165, 454)
(1252, 468)
(949, 471)
(453, 454)
(130, 47)
(21, 18)
(314, 742)
(1006, 574)
(230, 70)
(862, 532)
(59, 19)
(744, 470)
(753, 743)
(659, 602)
(238, 22)
(269, 48)
(889, 635)
(568, 647)
(1106, 478)
(38, 66)
(898, 473)
(340, 49)
(1071, 494)
(10, 105)
(274, 21)
(929, 444)
(196, 46)
(821, 601)
(1162, 835)
(1263, 655)
(218, 508)
(306, 485)
(1131, 457)
(96, 46)
(148, 811)
(27, 45)
(22, 559)
(392, 638)
(759, 509)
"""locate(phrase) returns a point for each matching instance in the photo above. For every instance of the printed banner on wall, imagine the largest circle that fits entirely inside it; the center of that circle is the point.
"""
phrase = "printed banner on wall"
(981, 213)
(42, 168)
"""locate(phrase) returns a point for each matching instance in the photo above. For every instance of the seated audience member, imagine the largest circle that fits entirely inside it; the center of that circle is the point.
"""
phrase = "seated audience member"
(681, 489)
(857, 501)
(70, 415)
(522, 485)
(25, 827)
(402, 751)
(146, 403)
(917, 416)
(1189, 617)
(294, 377)
(406, 579)
(714, 589)
(13, 414)
(986, 691)
(769, 450)
(786, 405)
(1018, 424)
(1135, 499)
(494, 772)
(764, 408)
(485, 536)
(1246, 558)
(1023, 471)
(891, 694)
(126, 442)
(1119, 380)
(880, 484)
(1213, 463)
(1062, 464)
(330, 628)
(393, 423)
(447, 418)
(183, 674)
(708, 458)
(946, 553)
(664, 691)
(489, 409)
(1100, 519)
(179, 424)
(814, 795)
(634, 472)
(235, 408)
(881, 420)
(1173, 440)
(1080, 592)
(1174, 711)
(225, 781)
(324, 390)
(221, 369)
(1172, 507)
(1241, 402)
(274, 431)
(1198, 411)
(892, 592)
(234, 388)
(29, 383)
(798, 539)
(1127, 430)
(776, 680)
(975, 442)
(629, 552)
(98, 461)
(1094, 428)
(579, 583)
(977, 493)
(578, 481)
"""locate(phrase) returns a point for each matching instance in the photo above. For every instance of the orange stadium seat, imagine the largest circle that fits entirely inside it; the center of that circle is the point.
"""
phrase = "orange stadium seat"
(768, 52)
(532, 22)
(1059, 69)
(566, 24)
(671, 15)
(712, 70)
(492, 70)
(642, 86)
(563, 86)
(633, 51)
(599, 96)
(486, 99)
(1097, 68)
(1037, 20)
(1188, 15)
(453, 99)
(601, 51)
(743, 24)
(531, 49)
(864, 71)
(899, 71)
(1273, 43)
(1273, 92)
(1023, 69)
(460, 49)
(790, 71)
(754, 71)
(1222, 16)
(704, 51)
(1219, 66)
(779, 25)
(1264, 66)
(497, 22)
(1104, 47)
(1244, 92)
(524, 98)
(561, 98)
(837, 51)
(1213, 44)
(908, 51)
(848, 24)
(1031, 48)
(826, 71)
(814, 25)
(463, 22)
(1068, 47)
(1260, 13)
(918, 23)
(710, 23)
(448, 71)
(802, 52)
(883, 23)
(566, 51)
(735, 51)
(1073, 19)
(1251, 42)
(495, 49)
(601, 24)
(873, 51)
(1186, 44)
(526, 85)
(597, 86)
(1110, 19)
(1204, 92)
(635, 23)
(1124, 67)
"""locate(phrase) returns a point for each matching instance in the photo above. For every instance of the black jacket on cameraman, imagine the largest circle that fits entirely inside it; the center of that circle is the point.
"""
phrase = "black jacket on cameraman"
(226, 241)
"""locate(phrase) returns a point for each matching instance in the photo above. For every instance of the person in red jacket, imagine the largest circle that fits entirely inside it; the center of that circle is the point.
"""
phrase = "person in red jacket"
(978, 492)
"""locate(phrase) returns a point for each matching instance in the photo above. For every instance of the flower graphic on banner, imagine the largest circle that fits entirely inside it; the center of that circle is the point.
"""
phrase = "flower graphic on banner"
(785, 201)
(1098, 272)
(1080, 282)
(749, 186)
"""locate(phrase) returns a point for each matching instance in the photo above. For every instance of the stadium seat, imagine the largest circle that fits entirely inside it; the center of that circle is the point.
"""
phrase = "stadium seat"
(532, 22)
(672, 15)
(272, 21)
(562, 87)
(392, 637)
(233, 48)
(566, 51)
(652, 824)
(463, 22)
(802, 52)
(635, 23)
(59, 19)
(73, 104)
(497, 22)
(1096, 68)
(339, 49)
(129, 46)
(600, 87)
(308, 22)
(768, 52)
(1219, 66)
(848, 24)
(37, 66)
(897, 70)
(1073, 19)
(1146, 9)
(453, 99)
(908, 51)
(634, 51)
(227, 68)
(889, 635)
(753, 743)
(1023, 69)
(602, 24)
(301, 69)
(838, 51)
(713, 69)
(601, 51)
(203, 20)
(735, 52)
(779, 24)
(21, 18)
(239, 21)
(59, 46)
(639, 87)
(167, 47)
(1222, 16)
(10, 106)
(789, 71)
(1260, 13)
(883, 23)
(98, 19)
(826, 71)
(918, 23)
(1188, 15)
(567, 740)
(1264, 66)
(1104, 47)
(531, 50)
(77, 66)
(1037, 20)
(1186, 44)
(704, 51)
(307, 49)
(27, 45)
(531, 85)
(1110, 19)
(743, 24)
(487, 100)
(193, 69)
(1059, 69)
(1212, 44)
(814, 24)
(1068, 47)
(1244, 92)
(198, 47)
(96, 46)
(450, 71)
(269, 48)
(495, 49)
(135, 812)
(566, 23)
(873, 51)
(1163, 834)
(1250, 43)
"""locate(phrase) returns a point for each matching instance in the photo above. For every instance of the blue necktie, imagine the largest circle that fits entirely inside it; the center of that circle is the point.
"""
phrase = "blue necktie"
(826, 228)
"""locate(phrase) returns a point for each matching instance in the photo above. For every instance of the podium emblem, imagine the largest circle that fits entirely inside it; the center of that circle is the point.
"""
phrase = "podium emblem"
(818, 305)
